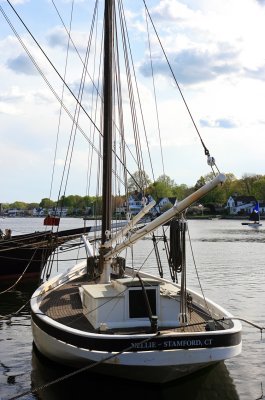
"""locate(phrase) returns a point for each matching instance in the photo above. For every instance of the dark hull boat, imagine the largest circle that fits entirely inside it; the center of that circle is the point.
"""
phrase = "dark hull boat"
(27, 254)
(254, 219)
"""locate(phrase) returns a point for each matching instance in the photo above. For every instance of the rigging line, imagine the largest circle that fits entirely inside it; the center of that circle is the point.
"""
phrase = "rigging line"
(16, 312)
(45, 55)
(51, 88)
(139, 152)
(260, 328)
(196, 270)
(92, 130)
(47, 82)
(69, 259)
(49, 85)
(57, 72)
(92, 81)
(20, 246)
(21, 276)
(54, 245)
(87, 367)
(138, 95)
(73, 133)
(122, 143)
(206, 151)
(62, 97)
(154, 89)
(140, 162)
(77, 52)
(72, 138)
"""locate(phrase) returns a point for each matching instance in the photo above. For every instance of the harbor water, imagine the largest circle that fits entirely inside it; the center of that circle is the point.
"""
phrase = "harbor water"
(228, 258)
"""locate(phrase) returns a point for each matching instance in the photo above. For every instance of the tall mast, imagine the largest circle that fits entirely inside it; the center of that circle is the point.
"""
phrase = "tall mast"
(107, 122)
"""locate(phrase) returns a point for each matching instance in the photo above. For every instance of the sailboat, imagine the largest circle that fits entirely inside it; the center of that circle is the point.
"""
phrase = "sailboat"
(254, 218)
(106, 313)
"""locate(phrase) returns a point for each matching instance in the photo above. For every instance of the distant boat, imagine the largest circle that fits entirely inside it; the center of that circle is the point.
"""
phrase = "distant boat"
(106, 312)
(254, 218)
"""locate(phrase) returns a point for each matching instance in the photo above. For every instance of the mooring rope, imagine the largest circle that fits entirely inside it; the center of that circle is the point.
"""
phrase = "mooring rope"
(21, 276)
(87, 367)
(90, 366)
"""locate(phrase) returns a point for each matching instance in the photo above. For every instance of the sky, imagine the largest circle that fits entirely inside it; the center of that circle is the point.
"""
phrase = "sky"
(216, 49)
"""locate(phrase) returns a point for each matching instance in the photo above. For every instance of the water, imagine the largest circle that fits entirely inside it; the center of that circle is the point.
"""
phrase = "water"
(229, 259)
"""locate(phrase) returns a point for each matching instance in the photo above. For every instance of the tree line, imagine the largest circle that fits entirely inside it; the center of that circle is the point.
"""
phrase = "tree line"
(164, 186)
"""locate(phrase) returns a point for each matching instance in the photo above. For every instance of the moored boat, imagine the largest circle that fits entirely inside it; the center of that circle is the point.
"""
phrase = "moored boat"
(28, 253)
(106, 312)
(254, 219)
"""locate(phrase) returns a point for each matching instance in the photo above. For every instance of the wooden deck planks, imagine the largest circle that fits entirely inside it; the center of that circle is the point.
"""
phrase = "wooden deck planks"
(64, 306)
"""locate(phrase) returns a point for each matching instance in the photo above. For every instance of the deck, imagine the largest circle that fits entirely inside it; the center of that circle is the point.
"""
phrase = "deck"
(64, 306)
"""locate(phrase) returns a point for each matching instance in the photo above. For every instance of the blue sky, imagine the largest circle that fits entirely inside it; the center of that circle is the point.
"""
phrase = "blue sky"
(216, 49)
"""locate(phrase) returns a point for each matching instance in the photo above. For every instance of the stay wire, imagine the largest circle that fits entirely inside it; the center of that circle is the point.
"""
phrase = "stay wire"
(155, 97)
(197, 273)
(135, 124)
(62, 97)
(50, 86)
(74, 46)
(206, 151)
(38, 389)
(45, 55)
(73, 133)
(125, 29)
(47, 82)
(21, 276)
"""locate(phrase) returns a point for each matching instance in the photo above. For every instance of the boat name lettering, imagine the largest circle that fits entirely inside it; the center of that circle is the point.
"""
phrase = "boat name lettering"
(173, 344)
(145, 345)
(183, 343)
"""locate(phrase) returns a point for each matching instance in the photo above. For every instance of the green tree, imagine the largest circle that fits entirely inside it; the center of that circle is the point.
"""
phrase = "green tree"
(248, 181)
(30, 206)
(181, 191)
(259, 188)
(139, 180)
(164, 186)
(19, 205)
(47, 203)
(165, 179)
(160, 189)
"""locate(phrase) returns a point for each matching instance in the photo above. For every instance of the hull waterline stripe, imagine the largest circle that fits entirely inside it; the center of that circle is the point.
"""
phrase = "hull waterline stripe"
(171, 342)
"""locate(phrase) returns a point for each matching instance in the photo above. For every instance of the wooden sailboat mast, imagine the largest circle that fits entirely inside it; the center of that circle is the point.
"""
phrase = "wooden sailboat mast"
(107, 121)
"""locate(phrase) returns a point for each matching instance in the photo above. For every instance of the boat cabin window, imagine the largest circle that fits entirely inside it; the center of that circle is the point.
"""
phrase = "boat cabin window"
(137, 305)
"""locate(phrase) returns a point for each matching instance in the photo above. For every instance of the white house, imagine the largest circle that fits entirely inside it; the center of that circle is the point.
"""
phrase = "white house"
(14, 212)
(241, 204)
(136, 202)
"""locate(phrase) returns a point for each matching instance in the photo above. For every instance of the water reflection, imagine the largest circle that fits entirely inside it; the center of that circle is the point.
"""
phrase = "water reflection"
(214, 382)
(15, 298)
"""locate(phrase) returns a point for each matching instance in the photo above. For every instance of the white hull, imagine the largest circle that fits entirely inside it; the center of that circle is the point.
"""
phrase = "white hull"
(151, 365)
(253, 225)
(159, 367)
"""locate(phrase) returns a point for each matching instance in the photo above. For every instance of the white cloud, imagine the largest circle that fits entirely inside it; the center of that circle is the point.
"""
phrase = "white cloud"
(215, 49)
